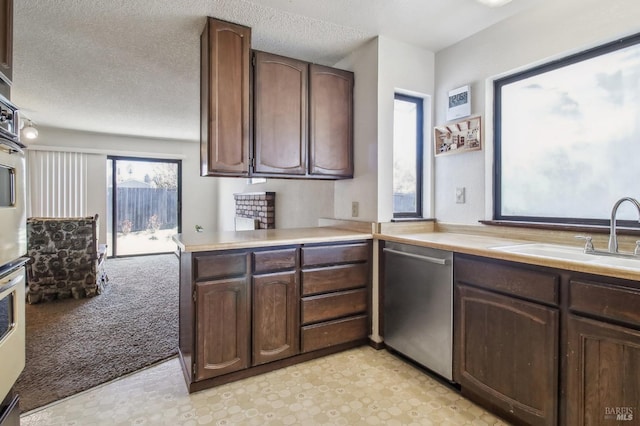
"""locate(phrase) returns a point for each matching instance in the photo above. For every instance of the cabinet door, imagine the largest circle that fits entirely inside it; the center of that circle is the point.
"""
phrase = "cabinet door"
(506, 354)
(331, 122)
(223, 310)
(6, 40)
(280, 114)
(275, 316)
(603, 373)
(224, 95)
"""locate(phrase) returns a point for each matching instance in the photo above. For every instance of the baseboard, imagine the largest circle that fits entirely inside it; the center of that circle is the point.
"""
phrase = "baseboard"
(376, 345)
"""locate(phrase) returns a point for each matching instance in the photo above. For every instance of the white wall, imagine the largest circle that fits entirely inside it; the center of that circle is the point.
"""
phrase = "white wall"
(299, 203)
(383, 67)
(363, 62)
(549, 31)
(406, 69)
(199, 199)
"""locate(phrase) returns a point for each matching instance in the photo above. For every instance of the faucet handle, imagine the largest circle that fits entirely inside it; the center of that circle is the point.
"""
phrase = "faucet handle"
(588, 243)
(636, 252)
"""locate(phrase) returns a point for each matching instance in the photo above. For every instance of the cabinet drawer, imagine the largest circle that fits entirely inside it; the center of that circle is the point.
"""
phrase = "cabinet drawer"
(334, 305)
(332, 333)
(215, 266)
(327, 255)
(274, 260)
(506, 278)
(606, 301)
(334, 278)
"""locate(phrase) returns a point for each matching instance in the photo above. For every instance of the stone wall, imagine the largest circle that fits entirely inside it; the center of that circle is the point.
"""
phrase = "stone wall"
(257, 205)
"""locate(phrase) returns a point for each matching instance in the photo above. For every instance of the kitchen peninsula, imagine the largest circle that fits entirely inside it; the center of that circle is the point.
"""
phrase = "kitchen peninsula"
(256, 301)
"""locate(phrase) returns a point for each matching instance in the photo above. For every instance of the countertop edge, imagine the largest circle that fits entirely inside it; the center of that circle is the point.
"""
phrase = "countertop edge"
(477, 250)
(292, 236)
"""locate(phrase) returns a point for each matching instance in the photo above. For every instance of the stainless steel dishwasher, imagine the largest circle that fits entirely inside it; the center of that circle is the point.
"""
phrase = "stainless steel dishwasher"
(418, 305)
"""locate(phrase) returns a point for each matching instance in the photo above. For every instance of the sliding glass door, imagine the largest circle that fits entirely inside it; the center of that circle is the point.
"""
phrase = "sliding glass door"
(143, 205)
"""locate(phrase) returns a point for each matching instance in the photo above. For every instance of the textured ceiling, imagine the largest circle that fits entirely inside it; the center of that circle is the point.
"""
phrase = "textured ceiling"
(132, 67)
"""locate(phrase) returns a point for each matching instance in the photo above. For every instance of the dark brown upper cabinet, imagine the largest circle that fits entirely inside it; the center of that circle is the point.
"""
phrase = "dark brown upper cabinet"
(280, 115)
(224, 95)
(6, 40)
(280, 118)
(331, 122)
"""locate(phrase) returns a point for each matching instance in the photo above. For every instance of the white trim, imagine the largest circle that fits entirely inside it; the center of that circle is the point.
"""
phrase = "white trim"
(83, 150)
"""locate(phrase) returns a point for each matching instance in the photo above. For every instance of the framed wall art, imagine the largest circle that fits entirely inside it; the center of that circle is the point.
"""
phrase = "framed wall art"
(459, 103)
(458, 137)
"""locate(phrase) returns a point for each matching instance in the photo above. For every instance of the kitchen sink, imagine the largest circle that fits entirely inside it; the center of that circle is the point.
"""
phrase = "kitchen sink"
(618, 262)
(555, 251)
(548, 250)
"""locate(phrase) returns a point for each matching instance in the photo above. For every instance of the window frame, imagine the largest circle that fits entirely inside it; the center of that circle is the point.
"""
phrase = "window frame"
(497, 127)
(419, 102)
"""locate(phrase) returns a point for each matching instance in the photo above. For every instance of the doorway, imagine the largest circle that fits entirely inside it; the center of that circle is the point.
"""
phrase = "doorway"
(143, 205)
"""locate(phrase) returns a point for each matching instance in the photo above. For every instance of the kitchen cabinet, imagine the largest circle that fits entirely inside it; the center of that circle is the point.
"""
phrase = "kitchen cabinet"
(276, 295)
(6, 41)
(280, 115)
(335, 294)
(603, 353)
(222, 314)
(331, 122)
(284, 130)
(268, 115)
(224, 99)
(247, 311)
(222, 327)
(507, 326)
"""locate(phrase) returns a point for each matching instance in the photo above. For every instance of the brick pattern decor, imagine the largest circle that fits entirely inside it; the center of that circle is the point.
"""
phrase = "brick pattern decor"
(257, 205)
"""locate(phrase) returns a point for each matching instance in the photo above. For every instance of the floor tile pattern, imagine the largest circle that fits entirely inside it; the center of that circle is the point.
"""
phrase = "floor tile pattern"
(357, 387)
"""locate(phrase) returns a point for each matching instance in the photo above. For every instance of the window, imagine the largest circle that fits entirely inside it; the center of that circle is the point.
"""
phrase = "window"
(407, 156)
(567, 137)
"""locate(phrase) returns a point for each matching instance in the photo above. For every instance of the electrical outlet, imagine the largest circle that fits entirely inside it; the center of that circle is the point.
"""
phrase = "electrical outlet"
(355, 207)
(460, 195)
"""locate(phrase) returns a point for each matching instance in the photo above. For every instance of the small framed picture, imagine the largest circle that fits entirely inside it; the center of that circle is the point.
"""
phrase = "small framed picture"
(457, 137)
(459, 103)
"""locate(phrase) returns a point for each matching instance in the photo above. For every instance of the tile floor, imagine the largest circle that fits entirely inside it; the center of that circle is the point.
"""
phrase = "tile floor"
(358, 387)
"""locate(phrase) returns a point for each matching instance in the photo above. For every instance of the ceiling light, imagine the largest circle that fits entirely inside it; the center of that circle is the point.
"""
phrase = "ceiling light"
(494, 3)
(29, 131)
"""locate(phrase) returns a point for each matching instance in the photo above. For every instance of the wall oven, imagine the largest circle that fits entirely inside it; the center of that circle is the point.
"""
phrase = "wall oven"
(13, 248)
(12, 328)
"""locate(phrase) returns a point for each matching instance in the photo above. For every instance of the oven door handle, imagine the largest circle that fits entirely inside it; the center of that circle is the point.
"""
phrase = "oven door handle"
(9, 284)
(12, 183)
(12, 145)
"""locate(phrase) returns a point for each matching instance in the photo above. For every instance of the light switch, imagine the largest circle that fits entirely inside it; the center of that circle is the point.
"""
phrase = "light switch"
(355, 207)
(460, 195)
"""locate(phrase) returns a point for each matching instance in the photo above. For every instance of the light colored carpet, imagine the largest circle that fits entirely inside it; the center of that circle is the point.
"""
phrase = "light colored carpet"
(74, 345)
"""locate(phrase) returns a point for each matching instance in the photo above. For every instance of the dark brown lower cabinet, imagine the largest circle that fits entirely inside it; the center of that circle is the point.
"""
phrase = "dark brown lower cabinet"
(603, 373)
(276, 325)
(240, 310)
(507, 354)
(223, 310)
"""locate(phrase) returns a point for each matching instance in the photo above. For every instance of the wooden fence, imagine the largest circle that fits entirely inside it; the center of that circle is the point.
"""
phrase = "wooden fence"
(139, 209)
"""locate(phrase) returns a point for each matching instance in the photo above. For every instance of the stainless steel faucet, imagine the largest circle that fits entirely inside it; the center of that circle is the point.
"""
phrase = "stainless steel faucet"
(613, 239)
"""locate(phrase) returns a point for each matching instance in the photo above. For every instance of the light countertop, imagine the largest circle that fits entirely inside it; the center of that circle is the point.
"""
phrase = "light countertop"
(481, 245)
(226, 240)
(467, 243)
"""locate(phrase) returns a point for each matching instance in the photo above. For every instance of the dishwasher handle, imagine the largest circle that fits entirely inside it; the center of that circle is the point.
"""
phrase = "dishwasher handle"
(428, 259)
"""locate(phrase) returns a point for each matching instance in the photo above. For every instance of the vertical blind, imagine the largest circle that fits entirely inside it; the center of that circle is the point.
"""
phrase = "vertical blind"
(57, 184)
